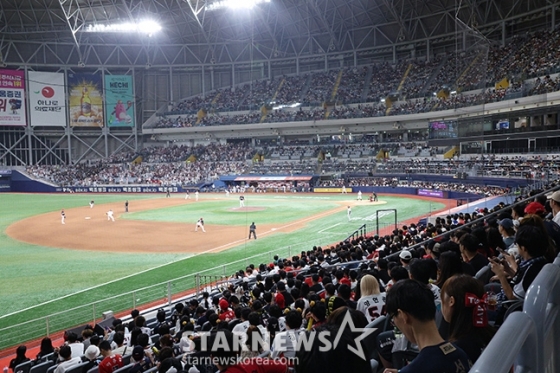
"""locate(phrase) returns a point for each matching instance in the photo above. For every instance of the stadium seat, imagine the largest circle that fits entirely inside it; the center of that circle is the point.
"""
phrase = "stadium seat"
(76, 368)
(93, 370)
(42, 367)
(23, 367)
(484, 274)
(126, 359)
(155, 338)
(51, 369)
(124, 369)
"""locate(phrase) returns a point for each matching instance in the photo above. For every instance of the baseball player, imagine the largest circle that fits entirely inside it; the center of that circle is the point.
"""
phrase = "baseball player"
(91, 203)
(62, 217)
(227, 192)
(126, 206)
(187, 196)
(359, 195)
(253, 230)
(374, 197)
(168, 193)
(349, 213)
(110, 215)
(200, 224)
(241, 201)
(344, 189)
(196, 195)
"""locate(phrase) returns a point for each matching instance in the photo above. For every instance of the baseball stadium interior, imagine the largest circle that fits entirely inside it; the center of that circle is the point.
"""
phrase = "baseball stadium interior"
(453, 100)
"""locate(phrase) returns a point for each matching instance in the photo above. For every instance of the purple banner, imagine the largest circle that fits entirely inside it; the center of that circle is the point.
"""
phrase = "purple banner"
(430, 193)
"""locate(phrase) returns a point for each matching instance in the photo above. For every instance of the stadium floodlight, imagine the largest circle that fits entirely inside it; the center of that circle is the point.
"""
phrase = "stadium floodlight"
(234, 4)
(147, 27)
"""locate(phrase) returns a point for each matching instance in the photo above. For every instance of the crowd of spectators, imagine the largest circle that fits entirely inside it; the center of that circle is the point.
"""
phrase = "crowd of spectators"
(404, 275)
(480, 68)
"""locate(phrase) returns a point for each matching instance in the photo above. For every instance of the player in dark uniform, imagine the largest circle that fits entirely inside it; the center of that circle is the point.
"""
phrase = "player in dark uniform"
(253, 230)
(126, 206)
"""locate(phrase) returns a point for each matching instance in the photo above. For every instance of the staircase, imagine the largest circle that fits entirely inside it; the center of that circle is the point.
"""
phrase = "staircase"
(333, 94)
(450, 153)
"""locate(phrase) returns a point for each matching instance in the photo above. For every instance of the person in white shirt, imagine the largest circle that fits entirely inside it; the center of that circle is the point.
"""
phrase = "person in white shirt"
(242, 327)
(554, 201)
(110, 215)
(285, 343)
(372, 300)
(65, 353)
(76, 347)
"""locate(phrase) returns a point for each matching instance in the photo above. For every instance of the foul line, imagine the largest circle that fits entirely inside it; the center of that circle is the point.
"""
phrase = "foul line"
(313, 217)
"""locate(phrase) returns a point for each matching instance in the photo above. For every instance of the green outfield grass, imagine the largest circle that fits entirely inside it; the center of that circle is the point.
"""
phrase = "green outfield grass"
(36, 281)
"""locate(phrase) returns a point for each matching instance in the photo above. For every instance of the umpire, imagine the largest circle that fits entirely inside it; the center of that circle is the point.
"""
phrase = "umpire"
(252, 230)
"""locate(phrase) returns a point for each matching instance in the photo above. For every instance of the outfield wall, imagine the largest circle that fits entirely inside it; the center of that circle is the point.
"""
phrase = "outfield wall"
(19, 182)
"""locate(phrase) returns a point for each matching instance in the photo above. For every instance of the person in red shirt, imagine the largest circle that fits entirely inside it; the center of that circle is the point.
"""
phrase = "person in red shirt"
(226, 314)
(110, 362)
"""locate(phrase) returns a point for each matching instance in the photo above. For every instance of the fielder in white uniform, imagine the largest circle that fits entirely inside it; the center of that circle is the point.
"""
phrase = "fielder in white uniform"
(349, 213)
(196, 195)
(344, 189)
(187, 196)
(199, 224)
(359, 195)
(62, 217)
(241, 201)
(110, 215)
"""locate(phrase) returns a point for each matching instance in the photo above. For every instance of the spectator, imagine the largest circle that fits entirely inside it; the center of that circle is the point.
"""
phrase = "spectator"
(411, 305)
(464, 308)
(110, 362)
(66, 360)
(372, 300)
(20, 358)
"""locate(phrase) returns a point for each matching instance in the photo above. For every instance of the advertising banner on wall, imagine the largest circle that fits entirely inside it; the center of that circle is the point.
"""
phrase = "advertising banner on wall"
(86, 100)
(47, 99)
(119, 101)
(12, 98)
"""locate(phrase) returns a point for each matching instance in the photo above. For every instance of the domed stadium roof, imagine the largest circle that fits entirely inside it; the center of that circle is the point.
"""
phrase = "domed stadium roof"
(199, 33)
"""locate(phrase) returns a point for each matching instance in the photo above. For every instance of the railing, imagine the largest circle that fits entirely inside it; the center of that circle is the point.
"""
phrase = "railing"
(162, 293)
(357, 233)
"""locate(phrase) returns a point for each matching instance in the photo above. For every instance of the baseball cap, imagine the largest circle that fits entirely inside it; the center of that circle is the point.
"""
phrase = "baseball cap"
(405, 255)
(534, 208)
(555, 196)
(506, 223)
(224, 304)
(92, 352)
(138, 353)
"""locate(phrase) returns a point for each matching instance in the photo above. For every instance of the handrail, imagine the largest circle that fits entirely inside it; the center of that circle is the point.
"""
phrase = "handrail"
(517, 334)
(481, 219)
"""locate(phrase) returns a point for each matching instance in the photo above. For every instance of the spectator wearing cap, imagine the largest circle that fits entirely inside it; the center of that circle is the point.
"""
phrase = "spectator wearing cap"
(90, 358)
(226, 314)
(405, 256)
(554, 201)
(507, 230)
(141, 362)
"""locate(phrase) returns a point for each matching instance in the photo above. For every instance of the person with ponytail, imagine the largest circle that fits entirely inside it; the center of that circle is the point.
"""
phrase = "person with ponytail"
(464, 307)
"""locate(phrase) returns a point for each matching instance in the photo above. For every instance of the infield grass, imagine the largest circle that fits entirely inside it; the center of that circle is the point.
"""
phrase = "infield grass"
(36, 281)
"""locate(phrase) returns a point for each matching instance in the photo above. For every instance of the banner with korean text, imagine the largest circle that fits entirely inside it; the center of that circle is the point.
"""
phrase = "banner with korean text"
(119, 101)
(86, 100)
(12, 98)
(47, 99)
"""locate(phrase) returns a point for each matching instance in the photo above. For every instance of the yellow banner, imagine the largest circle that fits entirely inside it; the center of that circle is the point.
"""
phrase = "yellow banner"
(502, 84)
(331, 190)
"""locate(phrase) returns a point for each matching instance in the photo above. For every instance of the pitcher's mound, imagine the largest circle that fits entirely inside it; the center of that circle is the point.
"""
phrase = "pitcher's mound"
(246, 209)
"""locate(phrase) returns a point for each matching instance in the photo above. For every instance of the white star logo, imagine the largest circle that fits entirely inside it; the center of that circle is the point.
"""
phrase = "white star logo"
(364, 332)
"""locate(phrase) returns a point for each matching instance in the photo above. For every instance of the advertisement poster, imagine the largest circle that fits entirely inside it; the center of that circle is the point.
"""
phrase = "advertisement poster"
(47, 99)
(12, 94)
(119, 101)
(86, 100)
